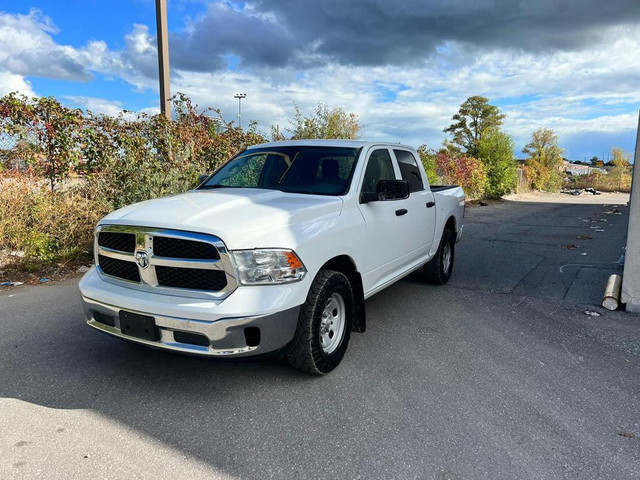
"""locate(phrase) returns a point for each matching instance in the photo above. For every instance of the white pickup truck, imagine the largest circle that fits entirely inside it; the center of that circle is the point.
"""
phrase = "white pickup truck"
(277, 250)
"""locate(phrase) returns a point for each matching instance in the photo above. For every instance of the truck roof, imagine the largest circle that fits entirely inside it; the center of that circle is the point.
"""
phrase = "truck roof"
(328, 143)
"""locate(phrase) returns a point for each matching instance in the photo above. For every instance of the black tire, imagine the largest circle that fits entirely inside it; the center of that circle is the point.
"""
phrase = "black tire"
(305, 352)
(438, 271)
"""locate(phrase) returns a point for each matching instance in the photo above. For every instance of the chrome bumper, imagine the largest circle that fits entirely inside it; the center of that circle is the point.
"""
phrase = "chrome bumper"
(226, 336)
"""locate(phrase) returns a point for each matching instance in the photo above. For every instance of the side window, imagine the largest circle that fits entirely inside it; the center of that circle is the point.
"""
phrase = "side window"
(409, 170)
(379, 168)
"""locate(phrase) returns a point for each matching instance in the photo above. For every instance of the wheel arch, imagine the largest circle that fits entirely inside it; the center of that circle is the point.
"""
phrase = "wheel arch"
(452, 224)
(347, 266)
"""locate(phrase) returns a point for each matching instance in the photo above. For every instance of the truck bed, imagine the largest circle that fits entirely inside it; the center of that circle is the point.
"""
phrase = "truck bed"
(440, 188)
(449, 200)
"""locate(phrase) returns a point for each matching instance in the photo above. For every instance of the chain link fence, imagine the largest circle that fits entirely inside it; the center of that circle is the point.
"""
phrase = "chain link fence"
(17, 150)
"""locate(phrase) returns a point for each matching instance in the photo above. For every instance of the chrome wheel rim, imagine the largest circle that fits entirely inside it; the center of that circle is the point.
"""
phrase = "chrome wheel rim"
(446, 258)
(332, 323)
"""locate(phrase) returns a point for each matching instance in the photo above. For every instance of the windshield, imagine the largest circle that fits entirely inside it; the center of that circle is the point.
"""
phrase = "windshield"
(295, 169)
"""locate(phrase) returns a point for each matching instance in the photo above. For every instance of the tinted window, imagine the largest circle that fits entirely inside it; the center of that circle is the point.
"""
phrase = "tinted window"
(295, 169)
(409, 170)
(379, 168)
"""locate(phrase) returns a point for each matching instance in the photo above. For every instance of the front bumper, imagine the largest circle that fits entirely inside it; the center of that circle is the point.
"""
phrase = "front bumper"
(225, 335)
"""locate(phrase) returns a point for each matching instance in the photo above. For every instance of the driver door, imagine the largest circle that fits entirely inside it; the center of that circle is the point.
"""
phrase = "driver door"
(383, 221)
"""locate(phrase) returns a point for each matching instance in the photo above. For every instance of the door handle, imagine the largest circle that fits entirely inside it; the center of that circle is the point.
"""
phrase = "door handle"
(402, 211)
(431, 204)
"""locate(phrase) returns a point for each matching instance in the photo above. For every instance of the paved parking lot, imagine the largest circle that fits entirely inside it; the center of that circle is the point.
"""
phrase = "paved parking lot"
(498, 375)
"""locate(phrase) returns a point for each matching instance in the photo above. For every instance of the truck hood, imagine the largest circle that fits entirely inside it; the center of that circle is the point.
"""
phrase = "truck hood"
(242, 218)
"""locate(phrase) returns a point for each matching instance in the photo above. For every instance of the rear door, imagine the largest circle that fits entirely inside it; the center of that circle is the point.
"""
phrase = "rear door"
(382, 252)
(421, 216)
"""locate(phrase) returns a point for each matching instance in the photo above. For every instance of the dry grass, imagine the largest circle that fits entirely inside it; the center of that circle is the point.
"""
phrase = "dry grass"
(39, 228)
(619, 181)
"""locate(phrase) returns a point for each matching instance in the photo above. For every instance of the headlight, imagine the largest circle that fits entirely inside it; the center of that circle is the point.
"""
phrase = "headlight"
(263, 267)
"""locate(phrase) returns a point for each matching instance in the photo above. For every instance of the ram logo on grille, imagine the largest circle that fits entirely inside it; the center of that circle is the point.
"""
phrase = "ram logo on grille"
(142, 258)
(154, 258)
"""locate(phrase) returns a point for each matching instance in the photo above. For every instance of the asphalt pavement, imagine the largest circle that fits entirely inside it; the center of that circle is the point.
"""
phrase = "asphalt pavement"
(498, 375)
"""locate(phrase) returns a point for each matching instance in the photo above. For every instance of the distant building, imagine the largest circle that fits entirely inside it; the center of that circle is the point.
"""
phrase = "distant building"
(577, 169)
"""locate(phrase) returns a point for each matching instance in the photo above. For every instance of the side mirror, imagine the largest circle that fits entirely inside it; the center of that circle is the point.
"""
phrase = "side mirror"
(387, 190)
(366, 197)
(202, 178)
(393, 189)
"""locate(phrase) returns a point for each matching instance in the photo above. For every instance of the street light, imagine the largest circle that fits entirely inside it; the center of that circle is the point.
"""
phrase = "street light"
(240, 96)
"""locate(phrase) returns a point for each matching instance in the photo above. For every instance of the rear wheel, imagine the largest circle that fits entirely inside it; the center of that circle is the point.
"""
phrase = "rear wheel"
(438, 270)
(324, 324)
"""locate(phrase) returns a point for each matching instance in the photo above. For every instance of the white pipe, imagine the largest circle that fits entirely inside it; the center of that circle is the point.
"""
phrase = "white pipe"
(611, 298)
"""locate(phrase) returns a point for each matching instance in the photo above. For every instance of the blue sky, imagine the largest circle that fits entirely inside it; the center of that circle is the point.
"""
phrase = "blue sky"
(569, 65)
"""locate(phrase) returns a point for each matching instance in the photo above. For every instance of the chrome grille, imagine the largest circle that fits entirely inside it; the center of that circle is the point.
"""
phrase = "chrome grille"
(123, 242)
(162, 261)
(181, 248)
(119, 268)
(212, 280)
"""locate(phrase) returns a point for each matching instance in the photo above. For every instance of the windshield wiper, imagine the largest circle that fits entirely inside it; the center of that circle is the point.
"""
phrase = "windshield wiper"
(217, 185)
(301, 191)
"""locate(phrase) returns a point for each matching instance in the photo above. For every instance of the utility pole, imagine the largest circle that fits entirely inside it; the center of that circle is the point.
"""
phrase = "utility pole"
(240, 96)
(162, 35)
(631, 277)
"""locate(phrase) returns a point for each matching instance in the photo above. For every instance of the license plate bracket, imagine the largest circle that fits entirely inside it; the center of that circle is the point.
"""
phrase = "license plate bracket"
(140, 326)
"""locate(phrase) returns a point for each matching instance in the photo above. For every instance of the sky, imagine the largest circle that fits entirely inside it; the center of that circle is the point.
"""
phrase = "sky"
(404, 67)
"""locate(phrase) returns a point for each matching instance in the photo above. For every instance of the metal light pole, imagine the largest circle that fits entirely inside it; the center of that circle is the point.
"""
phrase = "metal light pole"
(240, 96)
(163, 57)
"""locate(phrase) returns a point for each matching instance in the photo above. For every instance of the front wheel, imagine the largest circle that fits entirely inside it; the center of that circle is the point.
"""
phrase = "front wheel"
(324, 324)
(438, 270)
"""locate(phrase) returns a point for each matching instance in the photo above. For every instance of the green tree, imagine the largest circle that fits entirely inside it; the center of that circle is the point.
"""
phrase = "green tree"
(594, 161)
(495, 149)
(325, 123)
(475, 117)
(545, 160)
(428, 158)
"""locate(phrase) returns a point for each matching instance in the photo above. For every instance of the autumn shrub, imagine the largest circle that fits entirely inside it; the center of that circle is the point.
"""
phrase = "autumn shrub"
(130, 160)
(324, 123)
(467, 172)
(82, 165)
(125, 159)
(543, 167)
(38, 226)
(542, 178)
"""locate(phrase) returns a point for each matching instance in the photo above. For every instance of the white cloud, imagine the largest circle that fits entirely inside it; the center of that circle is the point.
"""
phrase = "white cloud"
(112, 108)
(11, 82)
(569, 92)
(592, 91)
(97, 105)
(27, 48)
